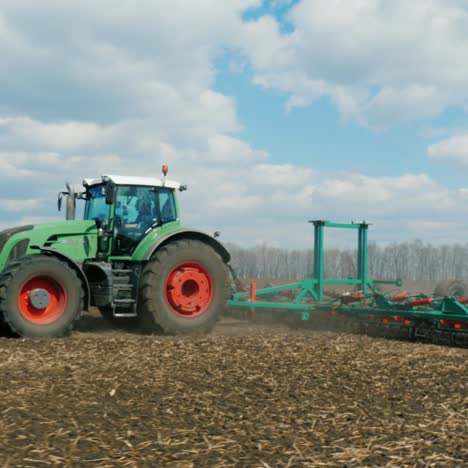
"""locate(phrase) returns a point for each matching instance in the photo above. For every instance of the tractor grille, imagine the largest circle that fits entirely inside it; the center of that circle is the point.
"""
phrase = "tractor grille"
(5, 235)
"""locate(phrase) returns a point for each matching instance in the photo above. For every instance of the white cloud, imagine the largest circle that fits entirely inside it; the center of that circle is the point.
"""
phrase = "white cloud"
(232, 151)
(63, 136)
(99, 87)
(400, 208)
(380, 62)
(19, 205)
(281, 176)
(258, 200)
(380, 197)
(452, 150)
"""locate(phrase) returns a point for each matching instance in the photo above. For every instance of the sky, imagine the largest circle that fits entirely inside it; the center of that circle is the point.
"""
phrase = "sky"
(273, 112)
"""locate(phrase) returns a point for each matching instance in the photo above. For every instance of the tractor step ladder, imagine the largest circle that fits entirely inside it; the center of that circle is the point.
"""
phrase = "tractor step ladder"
(122, 286)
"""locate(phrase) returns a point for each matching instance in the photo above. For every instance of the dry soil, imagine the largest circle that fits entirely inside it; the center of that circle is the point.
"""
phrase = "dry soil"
(246, 396)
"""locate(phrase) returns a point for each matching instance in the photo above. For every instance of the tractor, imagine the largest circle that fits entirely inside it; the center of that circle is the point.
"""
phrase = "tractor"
(129, 256)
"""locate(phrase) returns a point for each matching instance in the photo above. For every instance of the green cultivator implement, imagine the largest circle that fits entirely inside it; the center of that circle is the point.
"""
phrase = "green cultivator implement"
(365, 309)
(132, 259)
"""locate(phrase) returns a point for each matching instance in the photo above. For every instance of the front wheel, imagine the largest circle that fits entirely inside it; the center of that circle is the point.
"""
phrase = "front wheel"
(40, 297)
(184, 289)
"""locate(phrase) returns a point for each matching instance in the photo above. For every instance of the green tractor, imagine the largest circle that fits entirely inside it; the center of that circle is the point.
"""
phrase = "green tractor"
(130, 257)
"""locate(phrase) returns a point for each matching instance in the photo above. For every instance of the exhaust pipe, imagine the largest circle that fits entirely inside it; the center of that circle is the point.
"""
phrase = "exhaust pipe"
(71, 203)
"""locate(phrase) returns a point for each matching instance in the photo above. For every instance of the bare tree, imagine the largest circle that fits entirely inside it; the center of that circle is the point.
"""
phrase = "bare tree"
(409, 260)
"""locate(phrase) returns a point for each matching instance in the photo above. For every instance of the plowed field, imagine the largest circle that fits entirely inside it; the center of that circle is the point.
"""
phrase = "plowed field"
(246, 396)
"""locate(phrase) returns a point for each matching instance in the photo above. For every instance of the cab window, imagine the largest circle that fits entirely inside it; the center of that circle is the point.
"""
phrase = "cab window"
(167, 205)
(137, 210)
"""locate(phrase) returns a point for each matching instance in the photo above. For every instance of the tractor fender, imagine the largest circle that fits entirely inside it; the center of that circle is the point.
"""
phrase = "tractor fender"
(75, 266)
(189, 234)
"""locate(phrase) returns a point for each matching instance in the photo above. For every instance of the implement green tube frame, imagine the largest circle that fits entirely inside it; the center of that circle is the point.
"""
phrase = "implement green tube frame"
(307, 295)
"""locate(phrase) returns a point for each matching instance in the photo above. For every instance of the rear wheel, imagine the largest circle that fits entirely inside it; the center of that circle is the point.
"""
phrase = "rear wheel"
(184, 289)
(40, 296)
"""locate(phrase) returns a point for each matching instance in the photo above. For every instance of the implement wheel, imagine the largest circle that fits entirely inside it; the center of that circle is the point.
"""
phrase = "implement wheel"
(184, 289)
(451, 288)
(40, 297)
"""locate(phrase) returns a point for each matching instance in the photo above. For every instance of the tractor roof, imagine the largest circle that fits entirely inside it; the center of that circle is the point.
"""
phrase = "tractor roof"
(130, 180)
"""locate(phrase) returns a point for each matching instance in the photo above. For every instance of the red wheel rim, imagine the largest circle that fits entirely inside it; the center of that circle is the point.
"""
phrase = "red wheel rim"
(56, 304)
(189, 290)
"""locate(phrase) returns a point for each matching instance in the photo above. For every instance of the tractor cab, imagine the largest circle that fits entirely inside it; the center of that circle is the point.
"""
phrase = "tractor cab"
(126, 209)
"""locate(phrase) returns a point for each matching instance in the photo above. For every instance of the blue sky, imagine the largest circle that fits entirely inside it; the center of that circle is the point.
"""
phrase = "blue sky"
(273, 112)
(317, 134)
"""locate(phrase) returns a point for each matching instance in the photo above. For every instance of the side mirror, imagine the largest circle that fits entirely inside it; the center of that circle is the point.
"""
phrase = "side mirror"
(110, 192)
(59, 200)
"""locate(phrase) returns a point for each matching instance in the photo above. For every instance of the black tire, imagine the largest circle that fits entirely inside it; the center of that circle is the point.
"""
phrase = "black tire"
(54, 320)
(451, 288)
(156, 312)
(5, 330)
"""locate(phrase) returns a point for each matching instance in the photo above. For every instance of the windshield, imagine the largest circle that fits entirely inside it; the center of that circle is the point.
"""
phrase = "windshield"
(96, 207)
(144, 206)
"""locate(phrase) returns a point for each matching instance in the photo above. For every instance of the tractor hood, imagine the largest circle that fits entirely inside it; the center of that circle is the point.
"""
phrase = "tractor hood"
(66, 228)
(74, 239)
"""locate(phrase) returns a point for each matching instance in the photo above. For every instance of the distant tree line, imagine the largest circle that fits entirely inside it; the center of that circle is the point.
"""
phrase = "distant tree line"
(409, 260)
